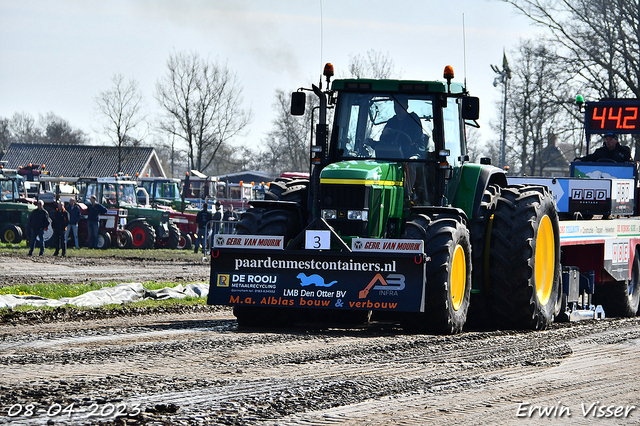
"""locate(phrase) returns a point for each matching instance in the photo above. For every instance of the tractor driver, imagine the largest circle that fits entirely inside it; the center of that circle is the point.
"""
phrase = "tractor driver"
(403, 129)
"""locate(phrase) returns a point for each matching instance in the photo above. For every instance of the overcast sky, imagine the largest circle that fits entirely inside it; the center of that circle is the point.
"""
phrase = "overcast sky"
(58, 55)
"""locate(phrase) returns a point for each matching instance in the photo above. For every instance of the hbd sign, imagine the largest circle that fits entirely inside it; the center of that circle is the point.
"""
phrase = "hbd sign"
(581, 194)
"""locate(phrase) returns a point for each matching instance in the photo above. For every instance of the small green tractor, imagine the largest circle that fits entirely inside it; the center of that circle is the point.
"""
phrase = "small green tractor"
(14, 213)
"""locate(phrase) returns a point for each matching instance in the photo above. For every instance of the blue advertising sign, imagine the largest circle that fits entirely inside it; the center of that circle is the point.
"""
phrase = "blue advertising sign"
(314, 279)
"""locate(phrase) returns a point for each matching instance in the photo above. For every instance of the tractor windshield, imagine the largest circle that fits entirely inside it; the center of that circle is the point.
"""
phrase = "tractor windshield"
(384, 126)
(170, 191)
(8, 190)
(127, 193)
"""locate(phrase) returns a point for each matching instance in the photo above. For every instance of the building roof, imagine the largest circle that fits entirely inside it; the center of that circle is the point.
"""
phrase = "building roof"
(84, 160)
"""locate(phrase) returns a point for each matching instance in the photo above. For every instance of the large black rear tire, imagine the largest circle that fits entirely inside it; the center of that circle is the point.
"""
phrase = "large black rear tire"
(448, 275)
(524, 258)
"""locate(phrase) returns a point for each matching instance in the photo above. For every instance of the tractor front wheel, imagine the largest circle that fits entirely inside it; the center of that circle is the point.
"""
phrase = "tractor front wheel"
(448, 291)
(124, 239)
(172, 240)
(185, 242)
(104, 240)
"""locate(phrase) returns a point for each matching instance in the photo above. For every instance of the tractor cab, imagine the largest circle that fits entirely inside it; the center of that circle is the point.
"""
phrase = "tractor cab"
(161, 191)
(396, 148)
(8, 189)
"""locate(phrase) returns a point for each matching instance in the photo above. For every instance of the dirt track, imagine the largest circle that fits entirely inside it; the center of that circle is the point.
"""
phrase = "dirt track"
(199, 368)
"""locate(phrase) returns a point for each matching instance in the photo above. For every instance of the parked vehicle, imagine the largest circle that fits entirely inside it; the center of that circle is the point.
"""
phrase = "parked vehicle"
(145, 224)
(112, 230)
(14, 212)
(165, 193)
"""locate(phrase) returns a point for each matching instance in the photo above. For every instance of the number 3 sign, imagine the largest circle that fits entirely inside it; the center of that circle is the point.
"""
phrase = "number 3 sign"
(318, 240)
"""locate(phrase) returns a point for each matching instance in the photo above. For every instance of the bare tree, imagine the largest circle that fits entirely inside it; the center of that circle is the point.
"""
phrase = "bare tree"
(375, 65)
(24, 129)
(202, 104)
(6, 138)
(57, 130)
(540, 110)
(122, 111)
(533, 106)
(288, 144)
(598, 41)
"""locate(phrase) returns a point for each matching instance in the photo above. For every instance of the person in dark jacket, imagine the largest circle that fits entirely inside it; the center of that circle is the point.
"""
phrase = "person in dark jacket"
(94, 210)
(60, 222)
(217, 217)
(38, 222)
(74, 218)
(228, 219)
(611, 150)
(202, 218)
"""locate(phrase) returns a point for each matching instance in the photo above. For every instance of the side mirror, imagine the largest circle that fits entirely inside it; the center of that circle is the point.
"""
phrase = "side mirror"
(470, 108)
(298, 102)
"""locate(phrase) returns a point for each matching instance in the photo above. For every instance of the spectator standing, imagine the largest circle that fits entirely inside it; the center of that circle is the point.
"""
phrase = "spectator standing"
(74, 218)
(202, 218)
(230, 214)
(38, 222)
(217, 217)
(94, 210)
(60, 222)
(228, 217)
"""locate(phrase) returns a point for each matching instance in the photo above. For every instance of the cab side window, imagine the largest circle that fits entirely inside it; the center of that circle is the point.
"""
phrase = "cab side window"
(452, 136)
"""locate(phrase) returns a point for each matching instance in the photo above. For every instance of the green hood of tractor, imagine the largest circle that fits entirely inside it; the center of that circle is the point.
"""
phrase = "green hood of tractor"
(363, 185)
(9, 205)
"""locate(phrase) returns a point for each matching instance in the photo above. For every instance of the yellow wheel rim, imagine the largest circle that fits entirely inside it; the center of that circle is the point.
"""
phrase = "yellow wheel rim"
(545, 258)
(458, 277)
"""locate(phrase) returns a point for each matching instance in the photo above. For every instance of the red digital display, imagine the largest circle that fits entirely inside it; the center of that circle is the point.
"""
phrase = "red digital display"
(617, 117)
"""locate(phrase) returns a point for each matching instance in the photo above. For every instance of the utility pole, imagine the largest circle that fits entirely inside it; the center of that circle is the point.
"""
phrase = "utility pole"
(503, 77)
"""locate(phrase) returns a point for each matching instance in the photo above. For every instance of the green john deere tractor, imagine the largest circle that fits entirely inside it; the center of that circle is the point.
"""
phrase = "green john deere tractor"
(395, 222)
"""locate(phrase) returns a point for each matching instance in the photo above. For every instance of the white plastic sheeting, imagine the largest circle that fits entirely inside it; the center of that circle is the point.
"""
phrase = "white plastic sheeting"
(120, 294)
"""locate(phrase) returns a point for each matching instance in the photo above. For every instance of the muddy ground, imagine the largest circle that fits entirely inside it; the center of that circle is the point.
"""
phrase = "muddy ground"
(76, 268)
(193, 365)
